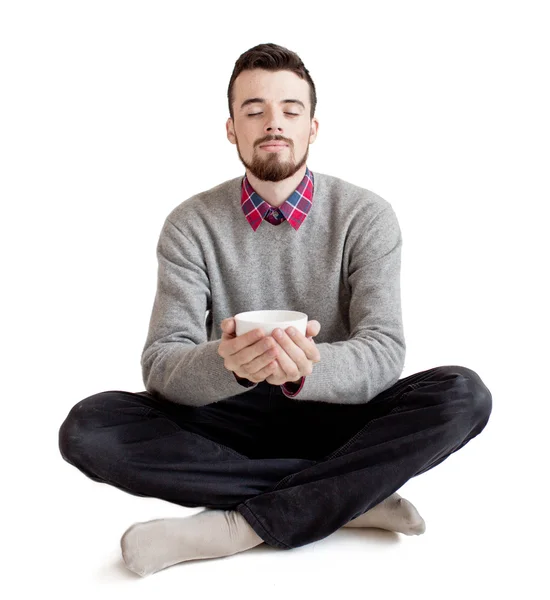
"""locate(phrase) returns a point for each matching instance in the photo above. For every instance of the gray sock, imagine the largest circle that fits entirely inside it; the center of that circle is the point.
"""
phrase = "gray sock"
(395, 514)
(154, 545)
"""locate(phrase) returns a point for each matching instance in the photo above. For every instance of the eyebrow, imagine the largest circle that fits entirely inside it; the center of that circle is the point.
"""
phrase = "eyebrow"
(262, 101)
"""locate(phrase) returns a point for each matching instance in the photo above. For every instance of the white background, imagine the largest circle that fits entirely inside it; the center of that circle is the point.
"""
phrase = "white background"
(114, 112)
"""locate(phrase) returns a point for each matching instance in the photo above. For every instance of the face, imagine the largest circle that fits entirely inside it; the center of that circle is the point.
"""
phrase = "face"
(262, 114)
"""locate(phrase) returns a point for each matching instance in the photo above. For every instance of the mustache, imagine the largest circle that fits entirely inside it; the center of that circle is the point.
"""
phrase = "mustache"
(274, 139)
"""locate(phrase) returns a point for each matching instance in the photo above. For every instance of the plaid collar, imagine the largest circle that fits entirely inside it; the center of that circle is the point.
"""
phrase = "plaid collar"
(294, 209)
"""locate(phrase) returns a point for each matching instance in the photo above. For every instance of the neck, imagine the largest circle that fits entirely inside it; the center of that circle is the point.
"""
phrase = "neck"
(276, 192)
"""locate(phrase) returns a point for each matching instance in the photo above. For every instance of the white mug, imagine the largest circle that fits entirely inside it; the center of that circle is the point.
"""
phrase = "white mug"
(268, 320)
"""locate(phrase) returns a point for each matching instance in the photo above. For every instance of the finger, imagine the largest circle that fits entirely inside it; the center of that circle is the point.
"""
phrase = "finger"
(242, 341)
(307, 346)
(313, 328)
(264, 373)
(278, 376)
(290, 371)
(259, 360)
(228, 325)
(291, 358)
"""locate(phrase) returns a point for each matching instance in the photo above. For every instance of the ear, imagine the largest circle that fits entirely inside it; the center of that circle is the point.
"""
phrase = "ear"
(230, 131)
(314, 130)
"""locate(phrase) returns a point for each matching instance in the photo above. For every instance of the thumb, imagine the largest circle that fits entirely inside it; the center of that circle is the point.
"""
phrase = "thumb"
(228, 326)
(313, 328)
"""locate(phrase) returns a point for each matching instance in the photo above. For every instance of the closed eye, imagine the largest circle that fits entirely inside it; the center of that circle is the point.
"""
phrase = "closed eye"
(286, 113)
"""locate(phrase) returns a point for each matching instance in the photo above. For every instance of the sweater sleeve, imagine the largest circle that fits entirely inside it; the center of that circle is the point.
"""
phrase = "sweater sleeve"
(356, 370)
(177, 361)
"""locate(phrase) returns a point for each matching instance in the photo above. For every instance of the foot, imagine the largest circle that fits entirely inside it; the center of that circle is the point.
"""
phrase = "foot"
(154, 545)
(394, 514)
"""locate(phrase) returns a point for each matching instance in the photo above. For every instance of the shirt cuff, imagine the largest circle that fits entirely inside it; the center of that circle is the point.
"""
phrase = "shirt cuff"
(244, 382)
(293, 389)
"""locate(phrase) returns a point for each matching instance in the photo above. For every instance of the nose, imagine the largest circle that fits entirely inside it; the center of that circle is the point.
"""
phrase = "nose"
(273, 123)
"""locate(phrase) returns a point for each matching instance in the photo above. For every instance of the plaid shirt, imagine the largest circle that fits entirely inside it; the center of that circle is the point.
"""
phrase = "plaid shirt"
(294, 210)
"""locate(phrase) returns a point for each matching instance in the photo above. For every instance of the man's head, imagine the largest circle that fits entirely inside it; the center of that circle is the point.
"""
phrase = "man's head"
(271, 98)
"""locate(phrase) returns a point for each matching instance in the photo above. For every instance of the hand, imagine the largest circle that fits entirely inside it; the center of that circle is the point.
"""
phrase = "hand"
(296, 354)
(247, 355)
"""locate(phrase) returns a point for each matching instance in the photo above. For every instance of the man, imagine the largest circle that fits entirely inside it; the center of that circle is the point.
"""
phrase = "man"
(283, 439)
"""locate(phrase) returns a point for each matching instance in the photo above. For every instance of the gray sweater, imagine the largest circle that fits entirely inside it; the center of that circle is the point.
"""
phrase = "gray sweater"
(342, 268)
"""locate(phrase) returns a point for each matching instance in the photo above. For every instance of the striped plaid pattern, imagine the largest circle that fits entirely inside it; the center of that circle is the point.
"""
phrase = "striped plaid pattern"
(293, 209)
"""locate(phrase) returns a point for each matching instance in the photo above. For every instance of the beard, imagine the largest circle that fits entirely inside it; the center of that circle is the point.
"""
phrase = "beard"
(271, 167)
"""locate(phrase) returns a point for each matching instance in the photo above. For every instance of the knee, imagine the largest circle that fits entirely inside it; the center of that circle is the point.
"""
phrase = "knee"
(71, 432)
(77, 428)
(470, 393)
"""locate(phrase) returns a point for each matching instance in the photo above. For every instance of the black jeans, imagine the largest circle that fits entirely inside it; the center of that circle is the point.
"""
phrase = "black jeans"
(295, 470)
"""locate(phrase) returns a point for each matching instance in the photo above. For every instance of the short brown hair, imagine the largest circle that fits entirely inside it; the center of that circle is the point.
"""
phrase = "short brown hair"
(271, 57)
